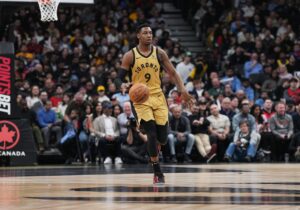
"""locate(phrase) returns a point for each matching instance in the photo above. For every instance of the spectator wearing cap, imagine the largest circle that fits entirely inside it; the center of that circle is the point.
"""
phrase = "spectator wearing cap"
(107, 131)
(292, 94)
(282, 127)
(101, 94)
(122, 96)
(219, 130)
(185, 67)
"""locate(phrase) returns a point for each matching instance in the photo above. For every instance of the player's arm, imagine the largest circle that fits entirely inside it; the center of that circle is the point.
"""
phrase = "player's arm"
(169, 68)
(125, 66)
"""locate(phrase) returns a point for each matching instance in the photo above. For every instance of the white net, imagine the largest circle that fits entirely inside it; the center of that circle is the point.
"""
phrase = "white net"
(48, 9)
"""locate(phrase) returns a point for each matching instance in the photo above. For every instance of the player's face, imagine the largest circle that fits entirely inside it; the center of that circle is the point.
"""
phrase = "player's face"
(145, 35)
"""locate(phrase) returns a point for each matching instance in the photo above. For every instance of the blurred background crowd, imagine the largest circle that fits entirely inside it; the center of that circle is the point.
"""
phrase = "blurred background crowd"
(246, 81)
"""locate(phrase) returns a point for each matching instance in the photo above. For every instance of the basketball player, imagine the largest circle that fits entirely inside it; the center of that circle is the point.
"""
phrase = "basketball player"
(143, 64)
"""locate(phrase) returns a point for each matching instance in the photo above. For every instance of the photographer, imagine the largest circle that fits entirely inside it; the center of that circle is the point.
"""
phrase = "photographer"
(135, 147)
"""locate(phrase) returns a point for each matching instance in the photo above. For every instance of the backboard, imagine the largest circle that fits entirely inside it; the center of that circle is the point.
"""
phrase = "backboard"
(62, 1)
(48, 8)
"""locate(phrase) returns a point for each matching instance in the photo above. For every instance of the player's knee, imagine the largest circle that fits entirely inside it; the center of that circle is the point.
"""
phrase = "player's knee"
(162, 134)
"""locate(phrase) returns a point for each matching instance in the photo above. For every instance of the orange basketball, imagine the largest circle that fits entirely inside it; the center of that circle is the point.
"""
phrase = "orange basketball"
(139, 93)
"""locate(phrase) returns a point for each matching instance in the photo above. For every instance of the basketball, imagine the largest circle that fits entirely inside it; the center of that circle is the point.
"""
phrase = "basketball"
(139, 93)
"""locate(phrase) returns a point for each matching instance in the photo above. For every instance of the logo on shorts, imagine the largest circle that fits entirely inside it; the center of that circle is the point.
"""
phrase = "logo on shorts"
(9, 135)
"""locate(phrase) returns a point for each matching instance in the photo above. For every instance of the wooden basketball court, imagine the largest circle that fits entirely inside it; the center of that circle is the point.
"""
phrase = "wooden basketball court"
(231, 186)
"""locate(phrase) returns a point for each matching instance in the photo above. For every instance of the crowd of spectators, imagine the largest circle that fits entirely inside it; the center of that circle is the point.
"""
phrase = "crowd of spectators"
(246, 83)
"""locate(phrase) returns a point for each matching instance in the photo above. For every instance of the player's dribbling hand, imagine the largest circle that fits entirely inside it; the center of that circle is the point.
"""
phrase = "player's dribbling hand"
(188, 99)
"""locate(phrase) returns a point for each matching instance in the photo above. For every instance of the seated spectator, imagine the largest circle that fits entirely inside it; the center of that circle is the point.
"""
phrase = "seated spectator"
(231, 79)
(58, 97)
(235, 105)
(226, 108)
(180, 132)
(243, 145)
(101, 92)
(84, 135)
(117, 110)
(244, 115)
(32, 117)
(246, 87)
(219, 130)
(34, 97)
(296, 120)
(68, 145)
(43, 98)
(122, 96)
(134, 149)
(292, 94)
(123, 120)
(252, 67)
(282, 126)
(199, 127)
(107, 132)
(185, 67)
(198, 90)
(62, 106)
(294, 148)
(47, 121)
(216, 89)
(261, 99)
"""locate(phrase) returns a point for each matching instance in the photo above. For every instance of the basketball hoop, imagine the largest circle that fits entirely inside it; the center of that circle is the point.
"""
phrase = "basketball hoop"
(48, 9)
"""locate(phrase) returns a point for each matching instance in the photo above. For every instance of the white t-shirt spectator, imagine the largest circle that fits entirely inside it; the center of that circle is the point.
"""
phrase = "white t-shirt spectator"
(184, 70)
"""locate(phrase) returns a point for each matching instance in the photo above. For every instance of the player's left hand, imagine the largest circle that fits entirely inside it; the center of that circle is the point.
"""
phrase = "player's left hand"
(188, 99)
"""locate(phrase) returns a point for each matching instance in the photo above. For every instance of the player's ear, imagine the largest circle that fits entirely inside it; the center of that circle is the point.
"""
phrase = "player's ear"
(138, 35)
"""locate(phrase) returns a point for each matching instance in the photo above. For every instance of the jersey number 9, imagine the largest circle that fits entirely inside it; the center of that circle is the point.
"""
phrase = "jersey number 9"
(147, 77)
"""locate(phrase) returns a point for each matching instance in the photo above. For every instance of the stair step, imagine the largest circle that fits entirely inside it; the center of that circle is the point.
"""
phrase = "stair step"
(186, 38)
(191, 44)
(181, 28)
(176, 15)
(183, 33)
(196, 49)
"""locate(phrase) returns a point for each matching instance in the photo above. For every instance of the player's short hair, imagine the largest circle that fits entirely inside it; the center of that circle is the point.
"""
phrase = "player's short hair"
(139, 27)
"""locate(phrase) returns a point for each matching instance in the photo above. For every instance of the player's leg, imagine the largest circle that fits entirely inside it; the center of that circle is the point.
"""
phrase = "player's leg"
(152, 147)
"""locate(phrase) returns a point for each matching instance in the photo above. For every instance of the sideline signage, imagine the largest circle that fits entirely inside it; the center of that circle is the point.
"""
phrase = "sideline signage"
(17, 145)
